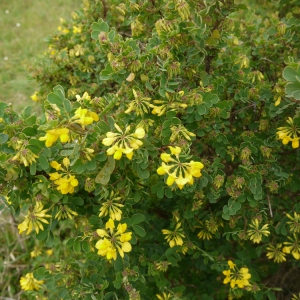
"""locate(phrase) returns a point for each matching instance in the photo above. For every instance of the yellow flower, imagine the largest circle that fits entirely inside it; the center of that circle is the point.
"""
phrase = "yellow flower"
(289, 133)
(77, 29)
(66, 162)
(34, 97)
(54, 164)
(174, 238)
(85, 96)
(112, 208)
(163, 296)
(235, 276)
(65, 212)
(113, 240)
(65, 184)
(53, 135)
(231, 264)
(175, 150)
(49, 252)
(292, 247)
(179, 172)
(140, 105)
(276, 253)
(294, 224)
(122, 142)
(34, 219)
(35, 252)
(85, 117)
(25, 156)
(256, 233)
(162, 265)
(29, 283)
(277, 100)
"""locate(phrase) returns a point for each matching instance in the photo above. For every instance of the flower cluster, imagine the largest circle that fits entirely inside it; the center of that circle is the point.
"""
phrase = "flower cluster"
(208, 229)
(179, 172)
(123, 142)
(65, 212)
(29, 283)
(34, 219)
(111, 207)
(140, 104)
(25, 156)
(174, 238)
(85, 117)
(292, 247)
(52, 136)
(235, 276)
(65, 181)
(169, 104)
(113, 240)
(163, 296)
(276, 253)
(256, 233)
(289, 133)
(294, 224)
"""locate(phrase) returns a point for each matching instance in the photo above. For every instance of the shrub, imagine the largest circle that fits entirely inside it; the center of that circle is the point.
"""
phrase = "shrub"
(173, 145)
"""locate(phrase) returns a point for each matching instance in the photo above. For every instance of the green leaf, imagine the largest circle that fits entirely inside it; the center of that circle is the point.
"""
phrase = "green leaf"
(42, 235)
(258, 295)
(43, 161)
(50, 240)
(70, 242)
(100, 26)
(136, 197)
(76, 200)
(290, 74)
(39, 273)
(137, 218)
(30, 131)
(63, 293)
(77, 246)
(54, 99)
(3, 138)
(33, 168)
(118, 264)
(109, 295)
(139, 230)
(103, 176)
(54, 198)
(292, 89)
(67, 105)
(210, 98)
(59, 91)
(201, 109)
(26, 112)
(143, 174)
(102, 127)
(86, 246)
(271, 295)
(30, 121)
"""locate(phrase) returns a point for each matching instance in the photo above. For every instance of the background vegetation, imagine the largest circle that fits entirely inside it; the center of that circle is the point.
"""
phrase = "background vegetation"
(218, 80)
(25, 26)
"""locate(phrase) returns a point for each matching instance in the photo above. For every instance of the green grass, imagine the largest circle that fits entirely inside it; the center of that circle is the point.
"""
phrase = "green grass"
(24, 27)
(20, 46)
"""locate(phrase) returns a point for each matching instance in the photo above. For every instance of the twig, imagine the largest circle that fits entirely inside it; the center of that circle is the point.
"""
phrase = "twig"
(104, 9)
(237, 111)
(270, 207)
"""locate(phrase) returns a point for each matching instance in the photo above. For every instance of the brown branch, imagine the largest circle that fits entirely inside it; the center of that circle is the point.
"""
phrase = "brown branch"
(104, 9)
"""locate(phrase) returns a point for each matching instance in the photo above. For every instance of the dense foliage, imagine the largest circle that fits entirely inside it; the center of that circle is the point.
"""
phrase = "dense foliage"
(166, 163)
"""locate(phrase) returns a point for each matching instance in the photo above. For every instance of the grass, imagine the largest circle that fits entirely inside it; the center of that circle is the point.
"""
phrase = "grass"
(24, 27)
